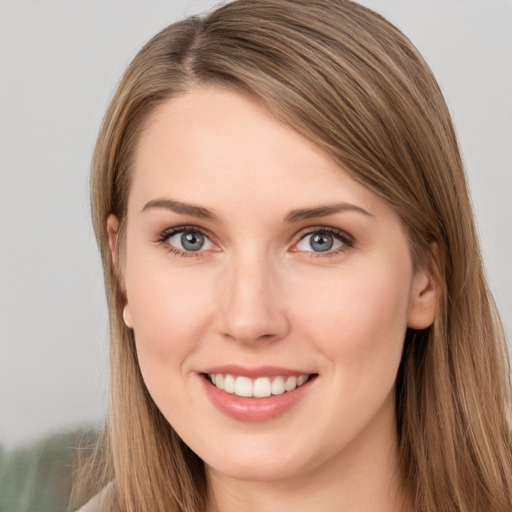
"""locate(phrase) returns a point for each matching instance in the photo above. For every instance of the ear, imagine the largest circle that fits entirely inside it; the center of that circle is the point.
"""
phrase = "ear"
(113, 241)
(423, 300)
(127, 316)
(113, 230)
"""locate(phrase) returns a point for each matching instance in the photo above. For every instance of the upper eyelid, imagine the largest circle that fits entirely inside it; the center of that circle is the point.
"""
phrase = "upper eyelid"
(326, 229)
(166, 233)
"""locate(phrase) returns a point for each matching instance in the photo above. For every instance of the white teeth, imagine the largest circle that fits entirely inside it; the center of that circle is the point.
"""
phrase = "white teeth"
(301, 379)
(219, 380)
(243, 386)
(291, 383)
(229, 384)
(278, 386)
(261, 387)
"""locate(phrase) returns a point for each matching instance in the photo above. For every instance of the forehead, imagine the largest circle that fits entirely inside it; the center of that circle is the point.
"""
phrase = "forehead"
(219, 148)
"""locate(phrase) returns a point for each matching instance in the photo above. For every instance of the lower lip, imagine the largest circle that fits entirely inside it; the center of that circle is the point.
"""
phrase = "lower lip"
(255, 409)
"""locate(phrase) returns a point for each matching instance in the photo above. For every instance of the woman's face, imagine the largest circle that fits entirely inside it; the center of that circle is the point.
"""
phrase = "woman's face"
(254, 261)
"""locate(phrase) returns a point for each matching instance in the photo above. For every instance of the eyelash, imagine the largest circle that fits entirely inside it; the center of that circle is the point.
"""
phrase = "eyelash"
(165, 235)
(347, 240)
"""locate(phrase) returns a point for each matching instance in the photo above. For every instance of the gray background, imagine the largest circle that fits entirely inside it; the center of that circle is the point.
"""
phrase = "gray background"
(59, 63)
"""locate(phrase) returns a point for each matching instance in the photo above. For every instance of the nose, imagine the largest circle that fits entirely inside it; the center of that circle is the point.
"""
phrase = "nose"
(251, 303)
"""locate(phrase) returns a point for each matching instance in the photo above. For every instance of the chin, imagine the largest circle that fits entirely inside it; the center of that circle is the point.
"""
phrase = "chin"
(262, 462)
(271, 469)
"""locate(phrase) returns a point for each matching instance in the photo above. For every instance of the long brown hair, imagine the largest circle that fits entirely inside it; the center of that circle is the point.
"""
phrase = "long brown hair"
(354, 85)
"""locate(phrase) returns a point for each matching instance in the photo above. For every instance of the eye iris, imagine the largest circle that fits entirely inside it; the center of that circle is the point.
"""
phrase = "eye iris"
(192, 241)
(321, 242)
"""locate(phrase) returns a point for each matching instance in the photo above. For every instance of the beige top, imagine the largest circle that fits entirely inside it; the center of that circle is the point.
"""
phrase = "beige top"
(95, 504)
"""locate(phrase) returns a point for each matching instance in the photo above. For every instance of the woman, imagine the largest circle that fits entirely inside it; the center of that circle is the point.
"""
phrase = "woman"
(299, 314)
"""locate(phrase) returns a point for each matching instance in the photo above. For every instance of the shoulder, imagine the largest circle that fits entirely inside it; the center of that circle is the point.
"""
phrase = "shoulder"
(98, 503)
(92, 505)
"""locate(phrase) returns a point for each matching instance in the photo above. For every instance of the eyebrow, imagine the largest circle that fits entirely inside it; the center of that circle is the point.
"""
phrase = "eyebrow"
(293, 216)
(179, 207)
(322, 211)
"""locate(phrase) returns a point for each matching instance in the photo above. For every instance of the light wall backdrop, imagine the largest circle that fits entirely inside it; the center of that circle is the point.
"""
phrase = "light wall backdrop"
(59, 63)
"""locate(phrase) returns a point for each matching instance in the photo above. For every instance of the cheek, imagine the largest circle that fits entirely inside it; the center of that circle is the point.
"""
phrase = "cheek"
(170, 318)
(359, 322)
(171, 310)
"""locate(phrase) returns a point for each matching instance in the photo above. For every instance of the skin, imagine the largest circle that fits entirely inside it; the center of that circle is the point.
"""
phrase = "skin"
(258, 294)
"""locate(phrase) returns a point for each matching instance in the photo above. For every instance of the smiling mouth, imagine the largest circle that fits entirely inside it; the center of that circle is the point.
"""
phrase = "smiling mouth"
(261, 387)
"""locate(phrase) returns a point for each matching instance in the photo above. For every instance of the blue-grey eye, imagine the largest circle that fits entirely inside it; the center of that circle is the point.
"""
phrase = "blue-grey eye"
(319, 241)
(190, 241)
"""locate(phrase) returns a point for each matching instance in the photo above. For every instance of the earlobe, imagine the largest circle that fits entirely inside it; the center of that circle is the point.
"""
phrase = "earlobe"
(127, 316)
(423, 300)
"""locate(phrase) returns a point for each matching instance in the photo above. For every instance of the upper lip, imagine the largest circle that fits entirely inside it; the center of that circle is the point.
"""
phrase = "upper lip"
(255, 371)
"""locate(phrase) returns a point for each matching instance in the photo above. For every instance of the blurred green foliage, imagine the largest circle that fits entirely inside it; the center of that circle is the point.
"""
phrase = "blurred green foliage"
(39, 477)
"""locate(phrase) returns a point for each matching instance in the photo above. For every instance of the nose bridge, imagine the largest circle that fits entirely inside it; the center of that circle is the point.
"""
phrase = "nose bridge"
(252, 309)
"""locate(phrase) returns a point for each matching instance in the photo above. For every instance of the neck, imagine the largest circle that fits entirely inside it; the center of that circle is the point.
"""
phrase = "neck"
(364, 477)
